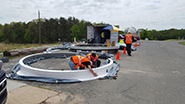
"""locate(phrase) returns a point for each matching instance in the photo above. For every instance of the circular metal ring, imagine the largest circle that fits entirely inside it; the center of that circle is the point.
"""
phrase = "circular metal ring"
(82, 75)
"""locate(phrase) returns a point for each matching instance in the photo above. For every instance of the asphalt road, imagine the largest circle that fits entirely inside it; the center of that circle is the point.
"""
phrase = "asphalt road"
(154, 74)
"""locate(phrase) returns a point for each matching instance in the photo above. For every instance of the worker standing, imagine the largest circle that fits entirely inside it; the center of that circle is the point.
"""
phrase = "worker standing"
(121, 42)
(78, 60)
(102, 37)
(93, 57)
(128, 41)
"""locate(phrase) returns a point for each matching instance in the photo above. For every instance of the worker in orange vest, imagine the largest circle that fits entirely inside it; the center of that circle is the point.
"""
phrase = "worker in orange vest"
(93, 57)
(128, 41)
(82, 62)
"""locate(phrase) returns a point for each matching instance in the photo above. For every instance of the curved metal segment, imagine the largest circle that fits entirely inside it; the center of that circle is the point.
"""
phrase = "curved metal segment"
(93, 47)
(82, 75)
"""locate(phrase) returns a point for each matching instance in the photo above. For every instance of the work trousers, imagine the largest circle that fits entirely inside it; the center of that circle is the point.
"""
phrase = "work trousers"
(72, 65)
(97, 63)
(102, 40)
(128, 49)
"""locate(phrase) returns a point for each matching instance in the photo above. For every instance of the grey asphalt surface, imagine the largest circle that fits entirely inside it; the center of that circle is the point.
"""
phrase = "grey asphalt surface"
(154, 74)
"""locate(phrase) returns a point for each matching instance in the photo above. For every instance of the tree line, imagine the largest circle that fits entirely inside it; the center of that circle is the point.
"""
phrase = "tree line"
(162, 34)
(52, 30)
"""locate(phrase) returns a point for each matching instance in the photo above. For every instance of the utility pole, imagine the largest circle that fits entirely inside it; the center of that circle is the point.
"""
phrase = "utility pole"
(39, 29)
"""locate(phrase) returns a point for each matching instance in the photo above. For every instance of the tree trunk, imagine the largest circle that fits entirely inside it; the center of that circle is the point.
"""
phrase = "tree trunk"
(25, 51)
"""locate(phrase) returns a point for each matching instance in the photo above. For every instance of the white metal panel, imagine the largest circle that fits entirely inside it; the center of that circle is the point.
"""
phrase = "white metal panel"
(90, 32)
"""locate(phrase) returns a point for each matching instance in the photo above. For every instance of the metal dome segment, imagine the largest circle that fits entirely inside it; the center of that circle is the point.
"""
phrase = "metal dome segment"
(131, 30)
(93, 47)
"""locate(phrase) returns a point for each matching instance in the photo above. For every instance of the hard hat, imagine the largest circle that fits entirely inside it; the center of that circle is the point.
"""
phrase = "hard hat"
(93, 55)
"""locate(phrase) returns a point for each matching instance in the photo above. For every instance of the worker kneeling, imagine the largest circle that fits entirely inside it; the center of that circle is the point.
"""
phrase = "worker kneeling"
(93, 57)
(81, 61)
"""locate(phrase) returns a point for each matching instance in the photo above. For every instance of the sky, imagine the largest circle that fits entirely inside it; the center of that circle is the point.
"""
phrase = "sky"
(146, 14)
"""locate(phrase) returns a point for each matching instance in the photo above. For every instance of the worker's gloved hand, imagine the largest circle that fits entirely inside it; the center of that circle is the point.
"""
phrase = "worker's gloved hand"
(95, 74)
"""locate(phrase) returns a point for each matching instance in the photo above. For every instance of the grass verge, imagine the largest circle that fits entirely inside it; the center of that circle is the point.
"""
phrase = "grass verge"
(7, 47)
(183, 43)
(172, 40)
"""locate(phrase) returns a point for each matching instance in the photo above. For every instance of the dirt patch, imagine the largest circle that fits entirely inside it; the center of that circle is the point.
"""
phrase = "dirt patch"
(54, 64)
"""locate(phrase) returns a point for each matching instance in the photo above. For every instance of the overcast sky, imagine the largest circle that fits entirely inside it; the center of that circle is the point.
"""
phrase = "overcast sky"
(151, 14)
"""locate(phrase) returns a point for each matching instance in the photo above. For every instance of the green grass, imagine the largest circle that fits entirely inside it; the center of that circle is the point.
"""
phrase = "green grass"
(183, 43)
(172, 39)
(7, 47)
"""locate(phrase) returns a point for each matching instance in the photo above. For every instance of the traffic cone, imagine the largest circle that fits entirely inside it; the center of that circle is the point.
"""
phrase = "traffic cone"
(118, 57)
(135, 45)
(124, 52)
(139, 43)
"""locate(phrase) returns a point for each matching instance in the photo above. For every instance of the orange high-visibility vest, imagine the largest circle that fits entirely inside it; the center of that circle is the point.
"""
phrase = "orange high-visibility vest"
(89, 57)
(128, 39)
(78, 59)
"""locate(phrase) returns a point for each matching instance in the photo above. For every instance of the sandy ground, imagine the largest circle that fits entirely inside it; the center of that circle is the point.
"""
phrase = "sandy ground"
(54, 64)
